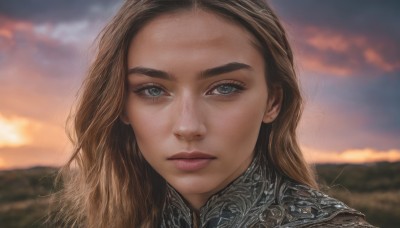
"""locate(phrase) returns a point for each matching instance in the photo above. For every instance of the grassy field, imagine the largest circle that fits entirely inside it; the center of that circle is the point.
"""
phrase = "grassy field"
(374, 189)
(24, 196)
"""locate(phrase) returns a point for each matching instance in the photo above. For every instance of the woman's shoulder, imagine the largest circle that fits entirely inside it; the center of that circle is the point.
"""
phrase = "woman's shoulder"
(298, 205)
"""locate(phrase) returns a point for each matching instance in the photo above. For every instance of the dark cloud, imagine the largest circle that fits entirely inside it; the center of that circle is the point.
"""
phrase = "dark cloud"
(356, 60)
(358, 108)
(361, 112)
(41, 71)
(361, 24)
(380, 98)
(368, 29)
(40, 11)
(375, 98)
(363, 16)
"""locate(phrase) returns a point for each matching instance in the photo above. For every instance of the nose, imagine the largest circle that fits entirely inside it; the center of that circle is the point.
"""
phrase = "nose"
(189, 124)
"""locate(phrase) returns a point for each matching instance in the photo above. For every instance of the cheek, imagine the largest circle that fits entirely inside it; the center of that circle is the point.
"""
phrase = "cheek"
(239, 127)
(148, 126)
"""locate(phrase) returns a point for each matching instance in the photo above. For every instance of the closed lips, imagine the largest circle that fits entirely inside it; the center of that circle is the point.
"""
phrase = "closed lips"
(191, 155)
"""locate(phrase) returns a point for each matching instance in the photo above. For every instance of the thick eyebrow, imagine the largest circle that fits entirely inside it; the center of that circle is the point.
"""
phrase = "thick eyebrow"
(227, 68)
(149, 72)
(154, 73)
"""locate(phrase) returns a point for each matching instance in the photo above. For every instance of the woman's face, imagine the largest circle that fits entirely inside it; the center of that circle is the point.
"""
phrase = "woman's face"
(197, 97)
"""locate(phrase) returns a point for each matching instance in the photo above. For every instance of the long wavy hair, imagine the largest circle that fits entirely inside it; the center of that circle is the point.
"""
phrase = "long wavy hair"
(106, 182)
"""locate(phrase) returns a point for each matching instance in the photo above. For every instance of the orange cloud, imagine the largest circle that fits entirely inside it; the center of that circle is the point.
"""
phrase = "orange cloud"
(313, 63)
(9, 27)
(14, 25)
(5, 33)
(351, 155)
(375, 58)
(339, 54)
(327, 40)
(335, 43)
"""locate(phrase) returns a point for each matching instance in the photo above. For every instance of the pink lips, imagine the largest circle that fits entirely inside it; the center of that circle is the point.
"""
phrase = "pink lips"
(191, 161)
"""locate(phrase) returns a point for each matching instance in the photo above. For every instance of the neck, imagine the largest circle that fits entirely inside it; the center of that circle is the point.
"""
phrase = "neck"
(198, 200)
(254, 185)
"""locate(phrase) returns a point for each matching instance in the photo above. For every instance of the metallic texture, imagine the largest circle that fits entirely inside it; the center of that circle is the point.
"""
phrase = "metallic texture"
(257, 199)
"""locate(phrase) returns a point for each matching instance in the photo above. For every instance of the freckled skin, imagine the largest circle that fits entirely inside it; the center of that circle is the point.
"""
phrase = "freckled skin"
(189, 114)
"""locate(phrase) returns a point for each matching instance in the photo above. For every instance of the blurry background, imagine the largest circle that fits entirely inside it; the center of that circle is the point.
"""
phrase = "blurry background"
(348, 60)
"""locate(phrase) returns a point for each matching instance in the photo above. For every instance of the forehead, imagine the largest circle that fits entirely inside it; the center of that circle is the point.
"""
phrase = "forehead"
(196, 25)
(191, 35)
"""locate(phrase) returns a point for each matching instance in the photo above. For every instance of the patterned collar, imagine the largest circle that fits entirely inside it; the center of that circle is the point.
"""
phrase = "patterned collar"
(258, 198)
(252, 191)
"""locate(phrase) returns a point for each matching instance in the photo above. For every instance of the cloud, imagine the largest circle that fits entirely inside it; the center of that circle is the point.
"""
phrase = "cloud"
(8, 30)
(21, 131)
(310, 63)
(25, 42)
(341, 114)
(349, 39)
(12, 131)
(375, 58)
(334, 53)
(379, 99)
(44, 55)
(365, 155)
(31, 142)
(369, 18)
(42, 66)
(72, 32)
(43, 11)
(330, 42)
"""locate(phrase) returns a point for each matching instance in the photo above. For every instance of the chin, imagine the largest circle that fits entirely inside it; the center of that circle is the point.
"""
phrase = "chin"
(188, 185)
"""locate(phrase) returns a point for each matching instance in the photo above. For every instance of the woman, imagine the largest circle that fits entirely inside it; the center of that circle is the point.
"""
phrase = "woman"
(187, 118)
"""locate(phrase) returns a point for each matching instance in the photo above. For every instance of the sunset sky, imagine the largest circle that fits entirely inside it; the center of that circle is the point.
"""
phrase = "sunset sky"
(347, 56)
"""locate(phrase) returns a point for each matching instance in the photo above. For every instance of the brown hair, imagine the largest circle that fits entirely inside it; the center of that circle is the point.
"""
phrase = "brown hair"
(107, 183)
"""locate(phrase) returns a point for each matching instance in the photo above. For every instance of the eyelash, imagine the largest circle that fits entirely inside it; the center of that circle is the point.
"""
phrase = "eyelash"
(238, 86)
(143, 89)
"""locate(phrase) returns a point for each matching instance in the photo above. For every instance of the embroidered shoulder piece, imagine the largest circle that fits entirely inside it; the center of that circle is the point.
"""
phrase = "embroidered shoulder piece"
(257, 199)
(344, 220)
(301, 206)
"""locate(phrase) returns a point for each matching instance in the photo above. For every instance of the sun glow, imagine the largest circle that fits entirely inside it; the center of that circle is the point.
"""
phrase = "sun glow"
(12, 132)
(3, 164)
(365, 155)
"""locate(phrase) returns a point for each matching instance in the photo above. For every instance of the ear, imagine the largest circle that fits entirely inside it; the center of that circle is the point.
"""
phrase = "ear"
(274, 103)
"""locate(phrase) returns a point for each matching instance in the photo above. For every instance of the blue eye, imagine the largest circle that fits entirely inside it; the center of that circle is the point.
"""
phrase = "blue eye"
(153, 92)
(226, 89)
(150, 91)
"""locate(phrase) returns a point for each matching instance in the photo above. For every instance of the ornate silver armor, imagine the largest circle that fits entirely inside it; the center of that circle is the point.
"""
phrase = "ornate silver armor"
(262, 199)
